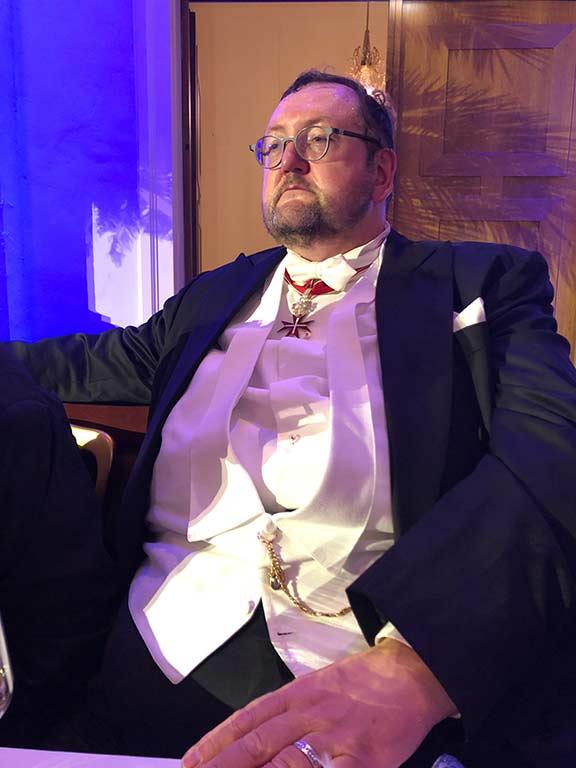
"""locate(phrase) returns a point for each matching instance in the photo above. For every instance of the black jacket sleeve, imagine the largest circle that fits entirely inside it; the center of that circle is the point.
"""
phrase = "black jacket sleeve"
(483, 585)
(117, 366)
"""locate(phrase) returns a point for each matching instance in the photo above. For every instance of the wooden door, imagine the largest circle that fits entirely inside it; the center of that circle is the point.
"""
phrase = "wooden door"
(486, 126)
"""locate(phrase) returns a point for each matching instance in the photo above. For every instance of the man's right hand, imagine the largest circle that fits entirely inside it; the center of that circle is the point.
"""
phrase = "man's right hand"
(370, 710)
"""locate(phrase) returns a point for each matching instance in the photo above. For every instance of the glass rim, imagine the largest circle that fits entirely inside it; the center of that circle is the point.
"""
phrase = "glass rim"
(328, 131)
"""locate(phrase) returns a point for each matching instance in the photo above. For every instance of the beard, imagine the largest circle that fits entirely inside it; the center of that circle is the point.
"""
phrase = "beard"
(301, 223)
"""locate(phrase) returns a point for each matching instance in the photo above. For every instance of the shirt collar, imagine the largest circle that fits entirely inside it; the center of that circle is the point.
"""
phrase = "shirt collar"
(338, 270)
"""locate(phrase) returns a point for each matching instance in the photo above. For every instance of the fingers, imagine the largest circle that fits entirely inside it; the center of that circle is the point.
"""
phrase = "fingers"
(292, 757)
(267, 748)
(255, 748)
(363, 711)
(256, 732)
(316, 760)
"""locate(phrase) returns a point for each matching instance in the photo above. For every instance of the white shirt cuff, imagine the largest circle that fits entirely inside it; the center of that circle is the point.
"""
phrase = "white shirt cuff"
(390, 631)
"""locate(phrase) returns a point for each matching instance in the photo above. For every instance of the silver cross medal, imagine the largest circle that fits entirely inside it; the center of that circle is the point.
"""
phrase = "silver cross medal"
(298, 325)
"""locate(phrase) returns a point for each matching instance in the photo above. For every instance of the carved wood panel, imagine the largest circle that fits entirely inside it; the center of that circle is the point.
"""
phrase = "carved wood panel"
(486, 96)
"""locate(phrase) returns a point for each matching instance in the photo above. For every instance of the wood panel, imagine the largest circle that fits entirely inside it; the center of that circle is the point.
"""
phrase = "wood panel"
(128, 418)
(189, 141)
(485, 94)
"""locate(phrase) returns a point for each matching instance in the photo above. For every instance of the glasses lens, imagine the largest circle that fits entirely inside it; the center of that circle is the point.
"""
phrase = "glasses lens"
(268, 151)
(312, 142)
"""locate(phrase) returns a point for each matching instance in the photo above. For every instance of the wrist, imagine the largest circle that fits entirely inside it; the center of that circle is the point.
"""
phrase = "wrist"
(418, 688)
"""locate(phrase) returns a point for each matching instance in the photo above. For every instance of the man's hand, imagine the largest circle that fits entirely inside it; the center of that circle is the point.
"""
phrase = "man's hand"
(371, 709)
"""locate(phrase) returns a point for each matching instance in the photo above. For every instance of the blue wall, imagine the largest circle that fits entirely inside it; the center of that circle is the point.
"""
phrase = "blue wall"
(68, 141)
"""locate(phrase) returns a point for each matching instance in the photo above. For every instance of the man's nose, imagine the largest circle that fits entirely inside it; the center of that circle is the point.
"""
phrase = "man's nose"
(291, 160)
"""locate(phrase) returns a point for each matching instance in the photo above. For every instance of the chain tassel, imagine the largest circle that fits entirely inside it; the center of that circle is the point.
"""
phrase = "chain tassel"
(277, 581)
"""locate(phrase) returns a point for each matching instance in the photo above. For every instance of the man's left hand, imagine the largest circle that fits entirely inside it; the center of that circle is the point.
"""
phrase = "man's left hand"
(370, 709)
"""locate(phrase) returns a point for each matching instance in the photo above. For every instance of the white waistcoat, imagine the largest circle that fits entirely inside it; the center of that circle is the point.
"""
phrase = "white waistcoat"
(267, 425)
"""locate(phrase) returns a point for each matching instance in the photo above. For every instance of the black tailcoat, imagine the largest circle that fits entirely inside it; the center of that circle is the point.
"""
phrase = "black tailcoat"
(482, 437)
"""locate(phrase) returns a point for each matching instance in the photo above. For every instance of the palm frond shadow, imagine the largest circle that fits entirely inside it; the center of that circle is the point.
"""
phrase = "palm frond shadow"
(470, 120)
(499, 11)
(123, 214)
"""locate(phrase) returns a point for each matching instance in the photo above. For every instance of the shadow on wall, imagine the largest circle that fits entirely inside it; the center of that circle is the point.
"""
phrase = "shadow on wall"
(475, 124)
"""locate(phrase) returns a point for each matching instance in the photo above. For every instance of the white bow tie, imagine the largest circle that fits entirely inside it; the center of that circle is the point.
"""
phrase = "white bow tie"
(335, 271)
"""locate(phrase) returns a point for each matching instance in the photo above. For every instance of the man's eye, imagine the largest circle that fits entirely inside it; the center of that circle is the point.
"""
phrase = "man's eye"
(315, 138)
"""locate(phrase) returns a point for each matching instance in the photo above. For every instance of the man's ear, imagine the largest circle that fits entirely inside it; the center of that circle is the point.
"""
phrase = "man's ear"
(386, 163)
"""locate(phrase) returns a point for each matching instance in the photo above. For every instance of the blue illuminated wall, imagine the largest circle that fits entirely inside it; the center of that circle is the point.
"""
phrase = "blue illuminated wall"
(68, 141)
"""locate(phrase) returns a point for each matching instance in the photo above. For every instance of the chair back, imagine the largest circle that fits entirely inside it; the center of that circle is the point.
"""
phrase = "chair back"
(100, 446)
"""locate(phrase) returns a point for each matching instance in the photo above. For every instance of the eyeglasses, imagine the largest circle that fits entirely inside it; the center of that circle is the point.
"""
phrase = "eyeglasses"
(311, 144)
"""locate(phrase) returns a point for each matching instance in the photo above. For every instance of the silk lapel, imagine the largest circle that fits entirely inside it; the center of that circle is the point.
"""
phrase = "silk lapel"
(414, 311)
(209, 306)
(224, 292)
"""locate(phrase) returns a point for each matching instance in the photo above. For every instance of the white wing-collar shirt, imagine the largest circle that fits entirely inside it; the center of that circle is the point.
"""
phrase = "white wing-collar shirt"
(281, 435)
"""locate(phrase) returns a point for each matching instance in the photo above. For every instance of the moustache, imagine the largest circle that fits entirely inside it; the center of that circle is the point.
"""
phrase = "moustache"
(291, 183)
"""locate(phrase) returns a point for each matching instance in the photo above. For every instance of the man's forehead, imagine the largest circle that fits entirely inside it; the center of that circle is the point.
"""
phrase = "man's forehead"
(316, 101)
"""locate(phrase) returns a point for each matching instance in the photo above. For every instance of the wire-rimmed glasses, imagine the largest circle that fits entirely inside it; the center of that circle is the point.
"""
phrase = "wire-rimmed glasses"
(6, 680)
(311, 144)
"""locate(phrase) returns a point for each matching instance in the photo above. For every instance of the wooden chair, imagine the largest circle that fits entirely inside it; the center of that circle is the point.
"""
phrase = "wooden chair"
(125, 426)
(98, 450)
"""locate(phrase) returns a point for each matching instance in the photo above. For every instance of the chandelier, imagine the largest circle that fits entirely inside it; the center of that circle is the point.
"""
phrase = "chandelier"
(367, 62)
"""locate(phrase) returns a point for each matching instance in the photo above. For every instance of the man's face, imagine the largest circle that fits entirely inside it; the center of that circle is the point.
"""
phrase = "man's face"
(303, 202)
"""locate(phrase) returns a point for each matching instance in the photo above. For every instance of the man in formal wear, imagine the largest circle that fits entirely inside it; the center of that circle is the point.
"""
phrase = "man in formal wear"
(57, 593)
(357, 489)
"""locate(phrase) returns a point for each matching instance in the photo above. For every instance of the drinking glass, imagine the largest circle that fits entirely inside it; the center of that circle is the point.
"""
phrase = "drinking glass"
(6, 680)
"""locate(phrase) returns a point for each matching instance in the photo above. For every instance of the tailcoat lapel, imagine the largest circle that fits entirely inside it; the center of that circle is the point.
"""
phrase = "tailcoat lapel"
(414, 316)
(213, 300)
(223, 295)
